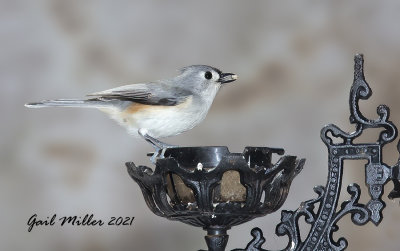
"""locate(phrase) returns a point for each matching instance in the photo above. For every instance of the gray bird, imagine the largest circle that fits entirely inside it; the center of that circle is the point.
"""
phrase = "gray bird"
(156, 109)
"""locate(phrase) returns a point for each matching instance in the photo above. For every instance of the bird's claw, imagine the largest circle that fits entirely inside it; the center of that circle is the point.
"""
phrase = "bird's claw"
(159, 153)
(159, 146)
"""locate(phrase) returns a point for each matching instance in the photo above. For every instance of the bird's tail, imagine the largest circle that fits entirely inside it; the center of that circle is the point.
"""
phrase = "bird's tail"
(89, 103)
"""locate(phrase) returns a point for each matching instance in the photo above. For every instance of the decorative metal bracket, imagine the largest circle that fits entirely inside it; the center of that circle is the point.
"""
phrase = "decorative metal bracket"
(377, 174)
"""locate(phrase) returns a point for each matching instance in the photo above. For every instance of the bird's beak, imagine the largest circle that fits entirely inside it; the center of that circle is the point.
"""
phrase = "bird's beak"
(227, 77)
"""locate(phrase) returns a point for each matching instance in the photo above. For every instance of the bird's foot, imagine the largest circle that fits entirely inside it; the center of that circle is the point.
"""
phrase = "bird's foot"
(159, 146)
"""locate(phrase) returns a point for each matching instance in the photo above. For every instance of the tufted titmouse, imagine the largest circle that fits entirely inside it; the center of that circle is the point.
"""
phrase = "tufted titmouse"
(156, 109)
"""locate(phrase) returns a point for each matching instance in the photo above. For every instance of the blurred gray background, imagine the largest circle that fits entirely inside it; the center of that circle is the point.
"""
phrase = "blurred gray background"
(295, 66)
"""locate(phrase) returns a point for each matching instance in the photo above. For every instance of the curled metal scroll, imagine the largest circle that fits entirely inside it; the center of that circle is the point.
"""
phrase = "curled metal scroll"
(324, 222)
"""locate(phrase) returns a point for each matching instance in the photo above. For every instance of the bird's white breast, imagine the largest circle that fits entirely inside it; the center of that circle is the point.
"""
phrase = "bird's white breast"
(164, 121)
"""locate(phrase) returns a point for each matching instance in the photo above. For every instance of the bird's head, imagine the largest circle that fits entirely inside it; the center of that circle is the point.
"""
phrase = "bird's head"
(203, 77)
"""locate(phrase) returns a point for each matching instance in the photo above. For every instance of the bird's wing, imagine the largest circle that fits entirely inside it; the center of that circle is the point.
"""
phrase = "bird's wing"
(148, 93)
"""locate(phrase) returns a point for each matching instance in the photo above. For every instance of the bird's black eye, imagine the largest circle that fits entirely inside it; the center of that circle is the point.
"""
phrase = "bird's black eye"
(208, 75)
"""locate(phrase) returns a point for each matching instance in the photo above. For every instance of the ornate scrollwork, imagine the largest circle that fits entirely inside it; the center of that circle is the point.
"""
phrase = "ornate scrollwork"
(361, 90)
(324, 222)
(256, 243)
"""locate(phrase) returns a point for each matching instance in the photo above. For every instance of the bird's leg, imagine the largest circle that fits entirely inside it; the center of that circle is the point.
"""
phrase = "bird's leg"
(159, 147)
